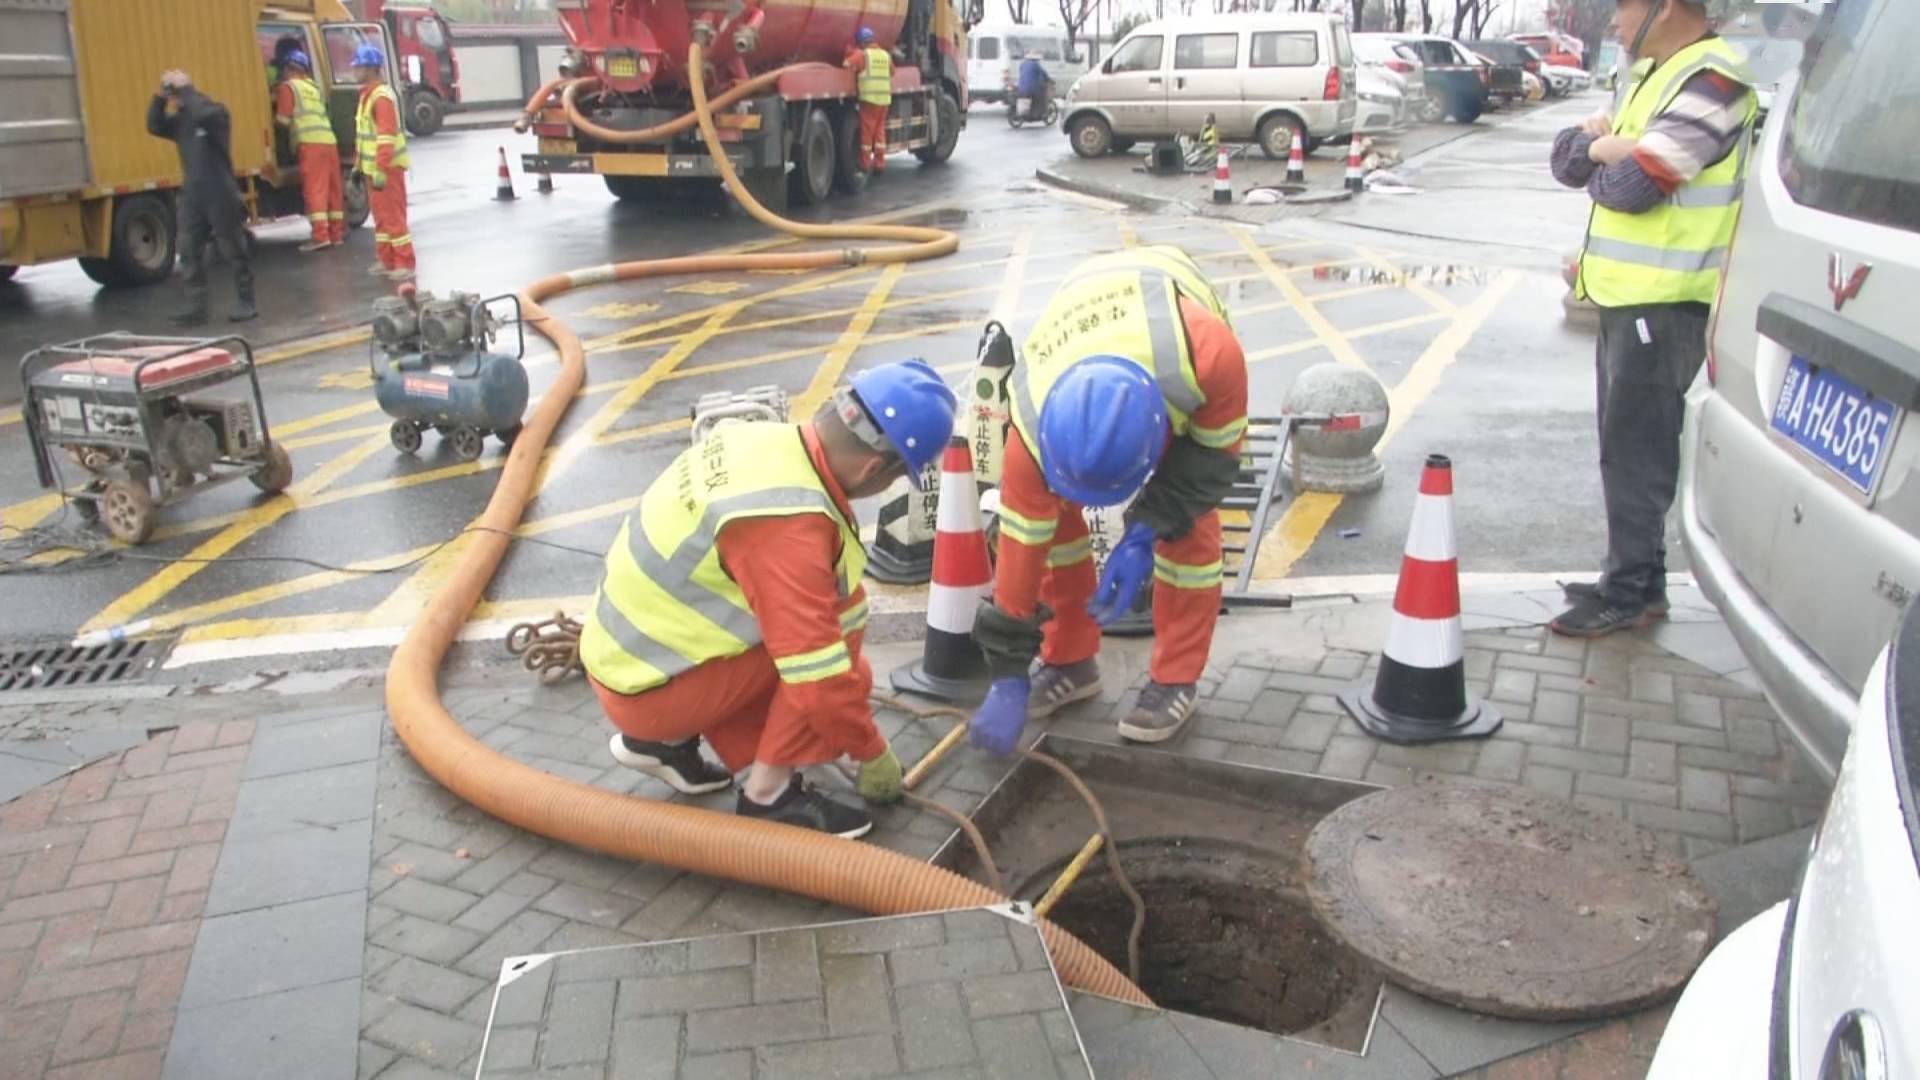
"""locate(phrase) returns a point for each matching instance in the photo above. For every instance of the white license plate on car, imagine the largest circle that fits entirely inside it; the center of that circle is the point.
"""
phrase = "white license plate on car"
(1844, 427)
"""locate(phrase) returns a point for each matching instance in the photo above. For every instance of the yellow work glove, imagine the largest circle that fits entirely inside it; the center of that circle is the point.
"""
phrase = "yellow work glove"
(881, 779)
(378, 180)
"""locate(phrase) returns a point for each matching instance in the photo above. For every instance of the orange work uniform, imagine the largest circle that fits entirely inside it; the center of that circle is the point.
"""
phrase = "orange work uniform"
(1060, 572)
(873, 117)
(392, 239)
(320, 186)
(785, 566)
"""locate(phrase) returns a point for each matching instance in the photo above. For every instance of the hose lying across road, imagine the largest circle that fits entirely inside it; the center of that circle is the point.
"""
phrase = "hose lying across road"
(855, 875)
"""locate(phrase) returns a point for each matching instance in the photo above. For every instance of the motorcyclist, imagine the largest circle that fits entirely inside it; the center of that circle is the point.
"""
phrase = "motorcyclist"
(1034, 86)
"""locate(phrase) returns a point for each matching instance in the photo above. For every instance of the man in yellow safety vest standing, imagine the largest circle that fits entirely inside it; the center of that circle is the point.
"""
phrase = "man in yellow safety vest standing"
(872, 68)
(1665, 176)
(382, 159)
(301, 108)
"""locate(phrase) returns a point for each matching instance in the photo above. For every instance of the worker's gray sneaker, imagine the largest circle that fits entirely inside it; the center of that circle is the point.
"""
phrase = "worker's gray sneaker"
(1054, 688)
(1587, 592)
(801, 805)
(1160, 714)
(679, 764)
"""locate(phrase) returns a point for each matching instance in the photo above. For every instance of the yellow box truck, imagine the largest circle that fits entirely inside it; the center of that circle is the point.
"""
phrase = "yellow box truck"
(80, 177)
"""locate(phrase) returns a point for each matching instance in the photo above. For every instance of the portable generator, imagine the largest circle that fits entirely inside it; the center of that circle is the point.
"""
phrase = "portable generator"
(432, 368)
(138, 415)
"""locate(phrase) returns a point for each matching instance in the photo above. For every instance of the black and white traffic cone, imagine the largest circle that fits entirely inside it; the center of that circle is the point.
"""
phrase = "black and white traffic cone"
(503, 184)
(1356, 177)
(1420, 694)
(1222, 179)
(1297, 160)
(951, 666)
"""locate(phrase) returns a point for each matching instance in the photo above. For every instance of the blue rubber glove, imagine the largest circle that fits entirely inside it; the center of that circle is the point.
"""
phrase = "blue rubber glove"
(1129, 565)
(998, 722)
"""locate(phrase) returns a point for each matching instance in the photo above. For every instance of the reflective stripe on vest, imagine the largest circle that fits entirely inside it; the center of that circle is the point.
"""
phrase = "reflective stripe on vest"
(1125, 304)
(310, 123)
(666, 604)
(876, 78)
(370, 140)
(1672, 253)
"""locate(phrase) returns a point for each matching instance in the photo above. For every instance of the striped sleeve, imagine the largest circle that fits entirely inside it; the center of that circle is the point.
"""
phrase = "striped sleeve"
(1221, 369)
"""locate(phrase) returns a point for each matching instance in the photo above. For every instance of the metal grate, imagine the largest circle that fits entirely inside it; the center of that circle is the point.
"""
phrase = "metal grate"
(48, 665)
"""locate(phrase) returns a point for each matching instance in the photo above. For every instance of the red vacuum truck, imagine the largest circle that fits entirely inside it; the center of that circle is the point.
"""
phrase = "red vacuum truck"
(624, 77)
(424, 48)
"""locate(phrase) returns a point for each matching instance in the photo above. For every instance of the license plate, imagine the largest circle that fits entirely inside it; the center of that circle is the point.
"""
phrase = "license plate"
(1846, 428)
(622, 67)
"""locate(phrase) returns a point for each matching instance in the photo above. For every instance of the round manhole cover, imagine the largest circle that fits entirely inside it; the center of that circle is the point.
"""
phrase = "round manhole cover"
(1508, 902)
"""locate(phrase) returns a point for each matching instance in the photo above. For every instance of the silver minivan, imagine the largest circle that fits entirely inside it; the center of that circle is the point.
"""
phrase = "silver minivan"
(1262, 77)
(1800, 488)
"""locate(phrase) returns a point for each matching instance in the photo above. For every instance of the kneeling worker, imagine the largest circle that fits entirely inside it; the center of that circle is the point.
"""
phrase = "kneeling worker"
(731, 605)
(1131, 382)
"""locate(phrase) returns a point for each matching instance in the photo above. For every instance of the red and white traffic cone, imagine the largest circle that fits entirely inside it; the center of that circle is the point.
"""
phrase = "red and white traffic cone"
(503, 186)
(1297, 160)
(1356, 179)
(1222, 179)
(951, 666)
(1420, 694)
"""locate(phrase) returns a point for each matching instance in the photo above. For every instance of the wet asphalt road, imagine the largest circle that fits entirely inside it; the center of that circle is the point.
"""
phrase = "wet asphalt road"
(1450, 296)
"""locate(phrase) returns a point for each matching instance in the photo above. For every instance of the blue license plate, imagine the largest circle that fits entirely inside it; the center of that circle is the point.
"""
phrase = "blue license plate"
(1848, 429)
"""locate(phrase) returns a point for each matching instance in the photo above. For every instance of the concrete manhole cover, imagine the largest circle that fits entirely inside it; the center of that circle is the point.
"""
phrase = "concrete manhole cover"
(1508, 902)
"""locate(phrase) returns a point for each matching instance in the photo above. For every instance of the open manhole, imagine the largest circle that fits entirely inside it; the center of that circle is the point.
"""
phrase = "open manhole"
(57, 665)
(1214, 849)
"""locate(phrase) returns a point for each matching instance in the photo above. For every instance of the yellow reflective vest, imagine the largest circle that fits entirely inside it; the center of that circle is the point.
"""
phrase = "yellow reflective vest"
(876, 78)
(1125, 304)
(1673, 252)
(310, 123)
(369, 138)
(666, 604)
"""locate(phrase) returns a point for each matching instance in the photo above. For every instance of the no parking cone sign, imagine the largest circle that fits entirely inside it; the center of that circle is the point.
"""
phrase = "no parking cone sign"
(952, 667)
(1420, 694)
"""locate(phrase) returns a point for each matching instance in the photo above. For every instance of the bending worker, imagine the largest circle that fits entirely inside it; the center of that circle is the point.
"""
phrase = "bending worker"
(872, 68)
(1131, 384)
(301, 107)
(382, 159)
(731, 605)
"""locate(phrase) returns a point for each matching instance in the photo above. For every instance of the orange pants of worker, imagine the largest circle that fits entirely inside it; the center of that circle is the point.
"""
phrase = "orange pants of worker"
(735, 703)
(873, 137)
(325, 197)
(1183, 618)
(392, 241)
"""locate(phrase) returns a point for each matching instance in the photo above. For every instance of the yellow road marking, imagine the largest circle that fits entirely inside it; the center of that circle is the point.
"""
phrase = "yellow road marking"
(1128, 237)
(828, 373)
(30, 512)
(1324, 330)
(266, 594)
(644, 431)
(1308, 516)
(1308, 344)
(333, 436)
(1013, 279)
(357, 377)
(709, 288)
(618, 310)
(1405, 280)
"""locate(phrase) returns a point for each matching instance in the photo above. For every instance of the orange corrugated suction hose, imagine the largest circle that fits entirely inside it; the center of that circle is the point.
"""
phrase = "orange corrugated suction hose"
(852, 874)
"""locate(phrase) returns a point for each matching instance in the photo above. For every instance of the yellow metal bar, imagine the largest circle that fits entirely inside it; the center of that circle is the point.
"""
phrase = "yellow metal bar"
(925, 765)
(1070, 875)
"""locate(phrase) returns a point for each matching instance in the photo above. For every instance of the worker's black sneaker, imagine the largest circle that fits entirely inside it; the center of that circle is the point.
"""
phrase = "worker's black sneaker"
(1160, 714)
(1581, 592)
(803, 806)
(679, 764)
(1600, 617)
(1055, 687)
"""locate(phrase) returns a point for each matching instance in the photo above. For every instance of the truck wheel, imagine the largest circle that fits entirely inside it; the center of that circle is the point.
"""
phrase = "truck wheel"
(276, 472)
(127, 510)
(355, 202)
(1276, 136)
(848, 177)
(141, 248)
(1091, 136)
(947, 116)
(425, 113)
(811, 180)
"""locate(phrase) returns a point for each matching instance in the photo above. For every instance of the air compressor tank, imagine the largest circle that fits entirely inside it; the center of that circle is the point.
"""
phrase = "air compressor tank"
(433, 368)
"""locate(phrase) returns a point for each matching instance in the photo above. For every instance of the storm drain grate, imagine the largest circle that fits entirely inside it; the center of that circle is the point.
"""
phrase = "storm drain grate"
(48, 665)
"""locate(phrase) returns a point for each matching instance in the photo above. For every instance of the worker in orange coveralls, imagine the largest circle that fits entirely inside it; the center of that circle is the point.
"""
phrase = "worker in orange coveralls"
(731, 605)
(873, 76)
(1131, 385)
(382, 158)
(301, 108)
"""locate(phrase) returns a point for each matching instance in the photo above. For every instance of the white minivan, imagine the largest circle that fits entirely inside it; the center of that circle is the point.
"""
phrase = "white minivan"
(994, 52)
(1261, 77)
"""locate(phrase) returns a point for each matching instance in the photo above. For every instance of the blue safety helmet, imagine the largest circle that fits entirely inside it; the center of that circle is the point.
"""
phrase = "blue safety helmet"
(1102, 430)
(865, 36)
(368, 56)
(298, 59)
(912, 406)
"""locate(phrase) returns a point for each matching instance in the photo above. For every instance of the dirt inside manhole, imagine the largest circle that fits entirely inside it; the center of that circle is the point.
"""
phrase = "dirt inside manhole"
(1228, 936)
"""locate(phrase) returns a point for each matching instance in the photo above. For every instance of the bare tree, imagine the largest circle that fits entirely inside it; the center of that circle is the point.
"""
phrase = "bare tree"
(1426, 16)
(1074, 15)
(1397, 17)
(1020, 11)
(1359, 14)
(1463, 10)
(1483, 16)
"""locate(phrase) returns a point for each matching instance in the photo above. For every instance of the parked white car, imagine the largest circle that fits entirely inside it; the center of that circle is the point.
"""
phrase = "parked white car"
(1569, 79)
(1383, 102)
(1375, 52)
(1821, 986)
(1261, 77)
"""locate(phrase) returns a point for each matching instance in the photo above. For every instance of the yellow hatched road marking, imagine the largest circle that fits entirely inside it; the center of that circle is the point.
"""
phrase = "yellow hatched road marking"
(1323, 329)
(828, 373)
(1013, 280)
(1405, 280)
